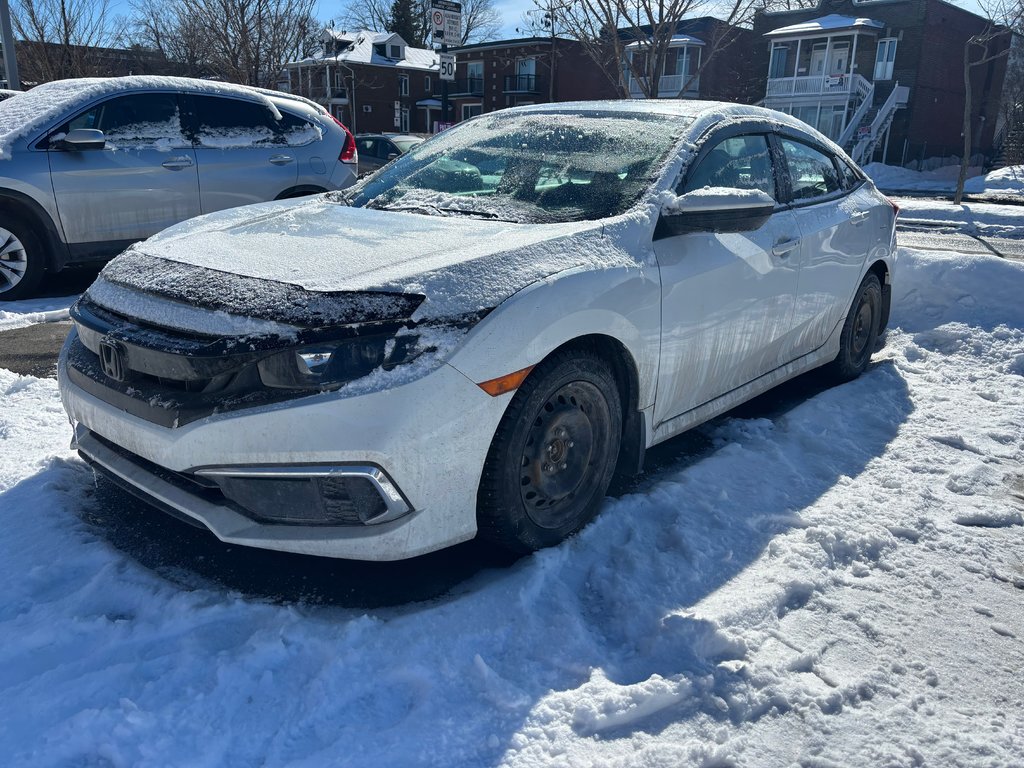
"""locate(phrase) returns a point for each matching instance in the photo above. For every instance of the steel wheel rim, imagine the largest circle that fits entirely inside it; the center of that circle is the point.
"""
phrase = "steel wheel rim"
(562, 445)
(862, 329)
(13, 260)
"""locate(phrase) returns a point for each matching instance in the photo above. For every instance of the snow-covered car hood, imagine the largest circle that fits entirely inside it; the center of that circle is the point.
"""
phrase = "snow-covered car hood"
(269, 261)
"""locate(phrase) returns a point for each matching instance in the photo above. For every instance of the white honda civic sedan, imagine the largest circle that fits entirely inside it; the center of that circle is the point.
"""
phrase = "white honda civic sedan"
(477, 338)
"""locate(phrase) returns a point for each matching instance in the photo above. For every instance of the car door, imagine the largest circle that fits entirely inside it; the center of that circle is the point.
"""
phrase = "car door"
(143, 179)
(836, 235)
(727, 296)
(242, 154)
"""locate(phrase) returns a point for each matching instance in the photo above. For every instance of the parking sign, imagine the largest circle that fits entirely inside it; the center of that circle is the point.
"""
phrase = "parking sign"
(446, 21)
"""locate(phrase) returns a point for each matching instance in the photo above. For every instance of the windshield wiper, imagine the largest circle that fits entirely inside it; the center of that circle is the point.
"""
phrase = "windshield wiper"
(436, 209)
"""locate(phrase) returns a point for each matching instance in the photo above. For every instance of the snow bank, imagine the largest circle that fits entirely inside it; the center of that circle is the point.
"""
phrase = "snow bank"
(19, 314)
(833, 581)
(1009, 179)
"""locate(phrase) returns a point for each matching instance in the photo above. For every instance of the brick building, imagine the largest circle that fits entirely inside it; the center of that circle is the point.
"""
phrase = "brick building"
(530, 70)
(371, 81)
(884, 78)
(726, 53)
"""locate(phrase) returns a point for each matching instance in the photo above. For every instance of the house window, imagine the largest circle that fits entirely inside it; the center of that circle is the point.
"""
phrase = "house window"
(777, 68)
(885, 57)
(396, 51)
(405, 120)
(475, 77)
(403, 85)
(380, 49)
(426, 84)
(471, 110)
(689, 65)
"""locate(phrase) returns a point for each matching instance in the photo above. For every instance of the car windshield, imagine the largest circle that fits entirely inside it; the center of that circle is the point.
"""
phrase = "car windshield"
(536, 167)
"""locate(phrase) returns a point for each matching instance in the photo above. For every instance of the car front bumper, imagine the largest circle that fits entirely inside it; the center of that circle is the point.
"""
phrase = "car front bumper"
(425, 443)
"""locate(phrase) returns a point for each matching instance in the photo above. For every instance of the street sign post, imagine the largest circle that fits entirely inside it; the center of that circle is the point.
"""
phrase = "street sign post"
(446, 22)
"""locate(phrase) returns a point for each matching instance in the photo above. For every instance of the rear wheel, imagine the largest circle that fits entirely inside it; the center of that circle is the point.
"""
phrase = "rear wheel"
(22, 262)
(859, 336)
(553, 455)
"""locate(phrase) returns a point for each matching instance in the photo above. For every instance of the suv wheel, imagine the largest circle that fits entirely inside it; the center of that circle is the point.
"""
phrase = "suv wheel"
(21, 261)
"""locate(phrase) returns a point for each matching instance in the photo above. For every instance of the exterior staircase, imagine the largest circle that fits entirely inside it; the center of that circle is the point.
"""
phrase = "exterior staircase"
(861, 137)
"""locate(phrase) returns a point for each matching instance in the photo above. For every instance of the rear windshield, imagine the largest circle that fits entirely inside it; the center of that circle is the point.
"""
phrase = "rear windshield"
(528, 167)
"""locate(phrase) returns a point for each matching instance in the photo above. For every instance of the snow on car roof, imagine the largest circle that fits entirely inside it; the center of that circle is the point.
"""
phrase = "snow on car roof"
(40, 106)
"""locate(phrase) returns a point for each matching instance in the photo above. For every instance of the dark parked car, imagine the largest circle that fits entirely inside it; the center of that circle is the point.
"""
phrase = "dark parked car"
(377, 149)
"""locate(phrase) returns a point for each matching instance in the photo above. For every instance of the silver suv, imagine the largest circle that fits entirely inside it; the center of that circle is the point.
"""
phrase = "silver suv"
(89, 166)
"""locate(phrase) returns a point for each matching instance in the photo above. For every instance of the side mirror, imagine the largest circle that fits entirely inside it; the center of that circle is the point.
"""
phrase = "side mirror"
(392, 156)
(713, 209)
(83, 138)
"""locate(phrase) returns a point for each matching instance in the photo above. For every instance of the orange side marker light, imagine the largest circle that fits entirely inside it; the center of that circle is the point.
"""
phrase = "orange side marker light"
(506, 383)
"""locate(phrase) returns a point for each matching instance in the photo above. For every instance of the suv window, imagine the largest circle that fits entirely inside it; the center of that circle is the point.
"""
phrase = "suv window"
(811, 172)
(297, 131)
(227, 123)
(739, 162)
(135, 120)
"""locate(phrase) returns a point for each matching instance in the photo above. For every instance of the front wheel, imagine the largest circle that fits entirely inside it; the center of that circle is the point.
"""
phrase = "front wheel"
(553, 454)
(21, 261)
(859, 335)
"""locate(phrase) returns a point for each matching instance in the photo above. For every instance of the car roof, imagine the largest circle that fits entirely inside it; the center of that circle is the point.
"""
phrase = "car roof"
(703, 116)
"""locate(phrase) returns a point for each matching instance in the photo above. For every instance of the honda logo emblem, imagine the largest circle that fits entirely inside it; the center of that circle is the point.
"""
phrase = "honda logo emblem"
(112, 359)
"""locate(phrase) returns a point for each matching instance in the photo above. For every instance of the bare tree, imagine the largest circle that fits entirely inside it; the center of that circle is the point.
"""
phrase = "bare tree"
(60, 37)
(991, 43)
(241, 41)
(481, 21)
(632, 38)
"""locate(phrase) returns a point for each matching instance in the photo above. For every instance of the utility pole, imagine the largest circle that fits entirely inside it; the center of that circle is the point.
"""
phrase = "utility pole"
(10, 62)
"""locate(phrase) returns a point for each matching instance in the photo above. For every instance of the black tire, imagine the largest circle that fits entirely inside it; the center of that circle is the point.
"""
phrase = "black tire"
(553, 454)
(859, 337)
(22, 259)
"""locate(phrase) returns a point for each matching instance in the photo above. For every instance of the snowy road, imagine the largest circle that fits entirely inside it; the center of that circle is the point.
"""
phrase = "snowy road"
(835, 582)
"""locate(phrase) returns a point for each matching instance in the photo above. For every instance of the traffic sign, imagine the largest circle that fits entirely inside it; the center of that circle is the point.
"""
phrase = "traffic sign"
(447, 64)
(446, 22)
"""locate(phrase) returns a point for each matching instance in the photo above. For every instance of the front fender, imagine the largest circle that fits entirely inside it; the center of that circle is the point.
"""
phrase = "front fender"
(623, 303)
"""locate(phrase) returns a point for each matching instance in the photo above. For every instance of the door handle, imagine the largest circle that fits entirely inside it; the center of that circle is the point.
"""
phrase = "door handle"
(859, 217)
(177, 163)
(783, 248)
(281, 159)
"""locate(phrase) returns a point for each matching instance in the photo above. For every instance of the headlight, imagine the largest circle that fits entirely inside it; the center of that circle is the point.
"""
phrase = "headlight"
(331, 364)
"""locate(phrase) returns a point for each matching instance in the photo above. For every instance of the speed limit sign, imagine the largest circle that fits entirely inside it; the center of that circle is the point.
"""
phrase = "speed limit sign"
(447, 66)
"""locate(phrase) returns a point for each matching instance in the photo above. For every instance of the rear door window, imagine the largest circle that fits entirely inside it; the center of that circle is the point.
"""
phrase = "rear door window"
(226, 123)
(812, 173)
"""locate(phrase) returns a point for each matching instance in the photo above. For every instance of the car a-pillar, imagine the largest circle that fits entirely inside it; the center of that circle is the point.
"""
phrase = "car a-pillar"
(571, 425)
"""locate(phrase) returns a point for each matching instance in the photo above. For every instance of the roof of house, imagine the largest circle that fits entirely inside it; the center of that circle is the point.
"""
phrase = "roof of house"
(676, 40)
(362, 51)
(831, 23)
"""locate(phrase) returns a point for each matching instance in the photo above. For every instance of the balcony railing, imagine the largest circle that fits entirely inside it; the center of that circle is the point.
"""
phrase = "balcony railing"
(669, 86)
(322, 93)
(521, 84)
(468, 86)
(816, 85)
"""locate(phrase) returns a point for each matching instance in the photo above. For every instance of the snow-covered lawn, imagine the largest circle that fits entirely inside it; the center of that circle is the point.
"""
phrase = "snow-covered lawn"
(970, 218)
(842, 584)
(1002, 181)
